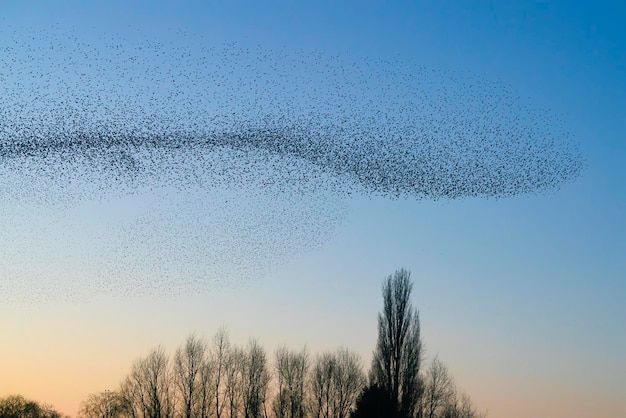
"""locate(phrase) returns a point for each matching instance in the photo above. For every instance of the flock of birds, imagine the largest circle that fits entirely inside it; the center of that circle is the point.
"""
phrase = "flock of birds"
(238, 157)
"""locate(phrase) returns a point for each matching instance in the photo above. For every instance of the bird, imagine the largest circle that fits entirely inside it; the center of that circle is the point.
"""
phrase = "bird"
(248, 155)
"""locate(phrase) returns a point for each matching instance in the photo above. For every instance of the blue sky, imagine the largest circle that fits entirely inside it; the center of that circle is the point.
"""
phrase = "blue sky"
(521, 297)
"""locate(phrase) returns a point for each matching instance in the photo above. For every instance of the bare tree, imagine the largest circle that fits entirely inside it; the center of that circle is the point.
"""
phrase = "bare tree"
(147, 387)
(291, 373)
(219, 360)
(107, 404)
(204, 403)
(281, 365)
(234, 381)
(255, 380)
(349, 381)
(397, 359)
(460, 406)
(467, 408)
(188, 362)
(322, 383)
(336, 382)
(439, 389)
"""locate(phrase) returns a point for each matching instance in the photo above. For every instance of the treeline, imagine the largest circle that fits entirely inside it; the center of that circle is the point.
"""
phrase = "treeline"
(219, 379)
(16, 406)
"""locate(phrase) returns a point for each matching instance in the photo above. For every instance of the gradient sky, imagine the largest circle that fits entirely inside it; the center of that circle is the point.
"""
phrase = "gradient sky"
(522, 298)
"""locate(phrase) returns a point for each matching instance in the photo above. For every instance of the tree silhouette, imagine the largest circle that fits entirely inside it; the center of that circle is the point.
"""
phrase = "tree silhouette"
(220, 353)
(374, 402)
(223, 380)
(439, 392)
(16, 406)
(398, 354)
(148, 386)
(255, 381)
(188, 362)
(107, 404)
(234, 381)
(291, 372)
(335, 383)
